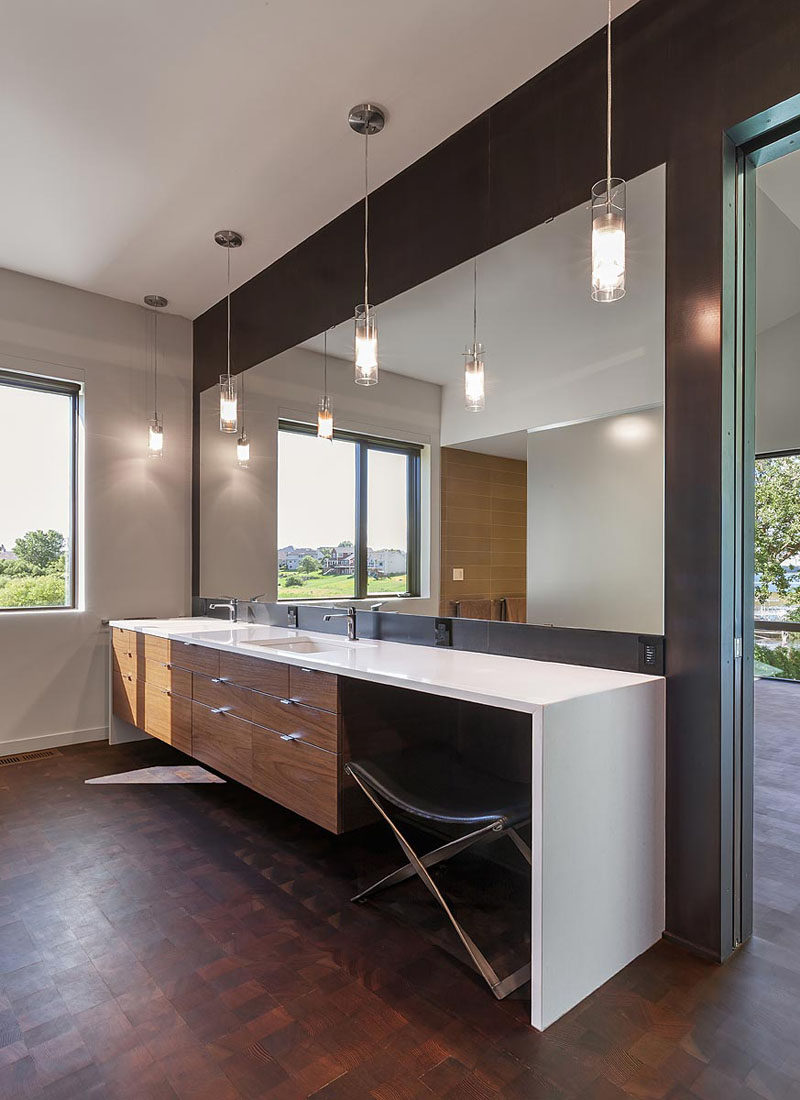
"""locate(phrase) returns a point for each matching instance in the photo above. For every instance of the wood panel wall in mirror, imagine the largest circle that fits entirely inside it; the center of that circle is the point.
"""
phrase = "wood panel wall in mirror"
(546, 506)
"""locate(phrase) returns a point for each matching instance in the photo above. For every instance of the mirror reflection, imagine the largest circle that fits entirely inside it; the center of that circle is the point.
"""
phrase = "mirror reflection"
(543, 504)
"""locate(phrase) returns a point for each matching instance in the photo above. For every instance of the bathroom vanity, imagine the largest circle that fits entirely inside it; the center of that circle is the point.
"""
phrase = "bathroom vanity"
(282, 711)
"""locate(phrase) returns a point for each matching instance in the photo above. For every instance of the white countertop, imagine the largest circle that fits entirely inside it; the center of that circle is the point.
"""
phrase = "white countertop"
(511, 682)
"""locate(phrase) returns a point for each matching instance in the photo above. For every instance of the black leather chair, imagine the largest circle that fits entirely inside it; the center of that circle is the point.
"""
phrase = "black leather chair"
(435, 786)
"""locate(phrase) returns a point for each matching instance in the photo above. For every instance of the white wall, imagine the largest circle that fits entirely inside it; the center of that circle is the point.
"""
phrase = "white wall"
(778, 387)
(238, 508)
(136, 527)
(596, 524)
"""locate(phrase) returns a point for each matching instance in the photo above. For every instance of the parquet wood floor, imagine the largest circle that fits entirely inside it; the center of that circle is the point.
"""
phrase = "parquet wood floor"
(197, 942)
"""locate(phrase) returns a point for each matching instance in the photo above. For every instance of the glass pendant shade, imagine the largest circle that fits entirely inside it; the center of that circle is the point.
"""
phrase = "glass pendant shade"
(608, 240)
(228, 404)
(366, 346)
(155, 439)
(325, 418)
(243, 450)
(474, 382)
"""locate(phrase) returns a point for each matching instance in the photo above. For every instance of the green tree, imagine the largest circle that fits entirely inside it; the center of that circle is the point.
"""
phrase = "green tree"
(308, 565)
(777, 526)
(45, 591)
(40, 548)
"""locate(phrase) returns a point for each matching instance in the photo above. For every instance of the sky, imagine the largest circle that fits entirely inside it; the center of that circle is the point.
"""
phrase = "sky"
(316, 494)
(34, 463)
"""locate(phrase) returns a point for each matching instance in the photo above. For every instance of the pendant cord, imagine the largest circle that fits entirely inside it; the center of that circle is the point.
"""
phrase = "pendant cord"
(229, 313)
(475, 307)
(325, 363)
(155, 364)
(366, 220)
(241, 391)
(608, 108)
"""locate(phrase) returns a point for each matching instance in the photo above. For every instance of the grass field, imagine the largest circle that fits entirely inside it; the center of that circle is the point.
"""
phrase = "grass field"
(317, 587)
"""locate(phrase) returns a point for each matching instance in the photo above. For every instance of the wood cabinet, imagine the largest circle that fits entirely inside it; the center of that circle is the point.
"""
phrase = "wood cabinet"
(298, 775)
(271, 726)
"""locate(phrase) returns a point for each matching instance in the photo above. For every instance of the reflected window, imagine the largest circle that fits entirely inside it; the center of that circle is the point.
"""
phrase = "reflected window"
(38, 471)
(348, 516)
(777, 566)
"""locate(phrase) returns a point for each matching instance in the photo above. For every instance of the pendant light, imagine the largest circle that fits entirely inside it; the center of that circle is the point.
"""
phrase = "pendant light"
(243, 443)
(325, 412)
(155, 429)
(474, 382)
(608, 215)
(228, 401)
(366, 119)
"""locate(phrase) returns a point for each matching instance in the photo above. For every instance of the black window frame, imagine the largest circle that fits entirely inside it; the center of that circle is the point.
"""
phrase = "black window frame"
(364, 444)
(21, 381)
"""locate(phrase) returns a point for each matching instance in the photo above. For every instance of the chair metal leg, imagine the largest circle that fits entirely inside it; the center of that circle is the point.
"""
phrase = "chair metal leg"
(432, 858)
(521, 845)
(500, 987)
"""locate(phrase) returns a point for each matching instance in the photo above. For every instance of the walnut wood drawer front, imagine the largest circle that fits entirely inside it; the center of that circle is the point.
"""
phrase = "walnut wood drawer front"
(298, 776)
(219, 694)
(123, 648)
(125, 697)
(123, 639)
(253, 672)
(315, 689)
(167, 717)
(195, 658)
(318, 727)
(152, 648)
(224, 742)
(165, 676)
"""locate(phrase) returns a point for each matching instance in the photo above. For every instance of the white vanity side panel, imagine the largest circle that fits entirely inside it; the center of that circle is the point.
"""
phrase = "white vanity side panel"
(537, 803)
(602, 842)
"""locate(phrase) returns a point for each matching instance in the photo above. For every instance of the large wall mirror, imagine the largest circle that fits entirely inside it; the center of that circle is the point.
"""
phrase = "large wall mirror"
(546, 506)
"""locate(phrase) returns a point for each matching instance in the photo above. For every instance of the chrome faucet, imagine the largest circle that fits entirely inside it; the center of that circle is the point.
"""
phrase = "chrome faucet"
(350, 615)
(232, 605)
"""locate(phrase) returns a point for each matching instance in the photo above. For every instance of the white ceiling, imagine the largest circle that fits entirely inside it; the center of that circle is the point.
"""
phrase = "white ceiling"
(132, 131)
(778, 241)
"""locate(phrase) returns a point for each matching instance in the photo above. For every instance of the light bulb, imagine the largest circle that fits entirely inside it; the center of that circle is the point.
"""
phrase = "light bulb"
(228, 404)
(474, 382)
(325, 418)
(243, 450)
(155, 439)
(608, 241)
(366, 346)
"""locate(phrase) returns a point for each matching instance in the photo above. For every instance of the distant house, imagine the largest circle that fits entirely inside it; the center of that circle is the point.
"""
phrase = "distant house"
(289, 557)
(7, 555)
(386, 562)
(342, 561)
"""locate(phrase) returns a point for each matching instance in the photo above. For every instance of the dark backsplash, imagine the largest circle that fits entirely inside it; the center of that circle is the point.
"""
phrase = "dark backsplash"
(592, 648)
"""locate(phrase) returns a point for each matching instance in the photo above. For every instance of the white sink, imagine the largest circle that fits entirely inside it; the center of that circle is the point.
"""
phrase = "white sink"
(306, 645)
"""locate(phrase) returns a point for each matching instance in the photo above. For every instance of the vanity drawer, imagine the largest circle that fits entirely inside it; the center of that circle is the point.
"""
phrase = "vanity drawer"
(298, 776)
(215, 693)
(154, 649)
(251, 672)
(122, 639)
(124, 662)
(165, 676)
(167, 717)
(124, 697)
(315, 689)
(195, 658)
(224, 742)
(318, 727)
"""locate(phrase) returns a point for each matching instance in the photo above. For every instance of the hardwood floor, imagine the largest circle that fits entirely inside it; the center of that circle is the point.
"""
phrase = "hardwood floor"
(197, 942)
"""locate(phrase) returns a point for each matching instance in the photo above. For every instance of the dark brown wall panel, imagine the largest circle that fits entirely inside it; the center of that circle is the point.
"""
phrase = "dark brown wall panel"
(685, 71)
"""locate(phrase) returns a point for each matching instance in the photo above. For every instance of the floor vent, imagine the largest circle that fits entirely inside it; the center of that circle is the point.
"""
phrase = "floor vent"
(25, 757)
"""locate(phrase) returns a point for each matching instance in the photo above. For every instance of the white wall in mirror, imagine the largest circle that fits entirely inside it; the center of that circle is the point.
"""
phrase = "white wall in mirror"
(238, 507)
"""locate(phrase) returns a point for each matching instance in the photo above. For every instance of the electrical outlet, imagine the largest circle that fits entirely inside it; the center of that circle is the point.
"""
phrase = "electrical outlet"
(442, 632)
(458, 574)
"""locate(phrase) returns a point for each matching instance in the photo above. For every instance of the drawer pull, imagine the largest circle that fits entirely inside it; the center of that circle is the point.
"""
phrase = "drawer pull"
(287, 702)
(220, 710)
(307, 669)
(166, 691)
(220, 679)
(291, 736)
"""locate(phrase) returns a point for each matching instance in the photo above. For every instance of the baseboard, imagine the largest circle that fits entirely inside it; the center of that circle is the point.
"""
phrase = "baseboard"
(52, 741)
(693, 948)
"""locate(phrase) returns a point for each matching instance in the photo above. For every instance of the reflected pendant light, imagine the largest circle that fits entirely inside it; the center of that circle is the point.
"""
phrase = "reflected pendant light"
(608, 215)
(366, 119)
(228, 401)
(325, 411)
(474, 382)
(155, 429)
(243, 443)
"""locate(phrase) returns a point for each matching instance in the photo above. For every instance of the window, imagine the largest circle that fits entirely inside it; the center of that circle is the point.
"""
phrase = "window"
(38, 458)
(777, 566)
(348, 516)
